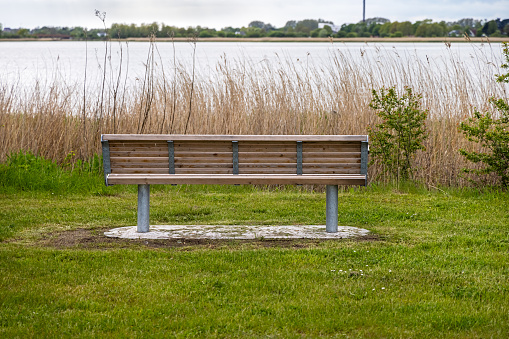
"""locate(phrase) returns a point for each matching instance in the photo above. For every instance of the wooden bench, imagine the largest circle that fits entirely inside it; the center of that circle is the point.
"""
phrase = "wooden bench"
(146, 159)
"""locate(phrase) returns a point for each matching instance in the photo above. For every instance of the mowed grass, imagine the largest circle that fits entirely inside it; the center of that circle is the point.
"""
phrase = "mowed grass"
(437, 267)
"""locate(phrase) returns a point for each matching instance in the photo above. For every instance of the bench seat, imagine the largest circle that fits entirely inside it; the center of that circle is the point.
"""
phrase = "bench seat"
(239, 179)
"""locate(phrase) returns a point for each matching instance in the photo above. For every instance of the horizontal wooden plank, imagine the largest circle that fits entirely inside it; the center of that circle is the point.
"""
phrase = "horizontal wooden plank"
(205, 165)
(262, 149)
(158, 151)
(241, 179)
(269, 144)
(190, 137)
(115, 154)
(285, 160)
(138, 170)
(204, 171)
(266, 170)
(139, 148)
(141, 166)
(196, 160)
(202, 143)
(332, 166)
(331, 160)
(267, 165)
(204, 154)
(140, 159)
(332, 148)
(203, 150)
(348, 155)
(211, 147)
(136, 145)
(142, 171)
(329, 171)
(258, 155)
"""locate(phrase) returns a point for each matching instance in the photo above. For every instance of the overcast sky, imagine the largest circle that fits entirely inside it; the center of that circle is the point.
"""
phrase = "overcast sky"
(237, 13)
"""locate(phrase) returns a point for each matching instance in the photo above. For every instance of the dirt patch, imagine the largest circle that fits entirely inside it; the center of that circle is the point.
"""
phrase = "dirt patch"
(96, 240)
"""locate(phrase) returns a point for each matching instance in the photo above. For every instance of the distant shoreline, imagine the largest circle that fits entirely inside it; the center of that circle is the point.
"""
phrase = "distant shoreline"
(267, 39)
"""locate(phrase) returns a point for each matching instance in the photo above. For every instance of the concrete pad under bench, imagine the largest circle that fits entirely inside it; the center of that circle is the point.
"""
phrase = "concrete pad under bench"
(239, 232)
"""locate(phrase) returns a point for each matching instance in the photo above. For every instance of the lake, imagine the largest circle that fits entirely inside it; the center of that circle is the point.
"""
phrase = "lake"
(67, 62)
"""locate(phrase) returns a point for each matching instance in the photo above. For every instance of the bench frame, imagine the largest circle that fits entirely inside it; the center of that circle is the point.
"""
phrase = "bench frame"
(144, 180)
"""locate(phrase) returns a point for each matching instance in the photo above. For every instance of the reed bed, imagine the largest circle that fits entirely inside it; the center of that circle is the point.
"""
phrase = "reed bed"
(283, 96)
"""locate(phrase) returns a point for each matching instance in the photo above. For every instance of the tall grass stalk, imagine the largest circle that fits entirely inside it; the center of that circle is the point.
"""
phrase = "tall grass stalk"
(282, 96)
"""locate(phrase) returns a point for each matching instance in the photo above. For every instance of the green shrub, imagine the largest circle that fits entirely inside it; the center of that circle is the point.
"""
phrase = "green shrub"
(28, 172)
(491, 130)
(401, 133)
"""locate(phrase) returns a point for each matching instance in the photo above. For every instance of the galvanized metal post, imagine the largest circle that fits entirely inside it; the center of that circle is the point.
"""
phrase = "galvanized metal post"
(331, 207)
(143, 208)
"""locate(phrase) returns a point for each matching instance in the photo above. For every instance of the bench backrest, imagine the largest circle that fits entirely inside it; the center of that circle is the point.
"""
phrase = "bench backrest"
(235, 154)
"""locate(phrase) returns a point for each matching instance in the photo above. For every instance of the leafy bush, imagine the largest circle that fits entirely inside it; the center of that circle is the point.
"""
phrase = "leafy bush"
(401, 133)
(491, 130)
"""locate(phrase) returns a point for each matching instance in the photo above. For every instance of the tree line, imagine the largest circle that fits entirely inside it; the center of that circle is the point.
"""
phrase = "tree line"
(373, 27)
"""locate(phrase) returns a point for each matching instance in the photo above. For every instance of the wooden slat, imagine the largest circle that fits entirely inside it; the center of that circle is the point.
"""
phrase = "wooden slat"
(212, 149)
(205, 165)
(261, 159)
(257, 144)
(332, 148)
(333, 166)
(139, 148)
(140, 159)
(191, 137)
(204, 154)
(268, 170)
(250, 155)
(268, 165)
(141, 153)
(194, 160)
(203, 144)
(331, 160)
(144, 166)
(139, 170)
(241, 179)
(262, 149)
(331, 172)
(214, 170)
(186, 170)
(331, 154)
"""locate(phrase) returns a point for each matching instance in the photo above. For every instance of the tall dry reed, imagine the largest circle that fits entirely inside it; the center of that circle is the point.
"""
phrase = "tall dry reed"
(276, 97)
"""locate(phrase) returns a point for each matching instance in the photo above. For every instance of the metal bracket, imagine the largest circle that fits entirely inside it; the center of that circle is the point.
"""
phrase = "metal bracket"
(364, 157)
(299, 157)
(171, 157)
(235, 156)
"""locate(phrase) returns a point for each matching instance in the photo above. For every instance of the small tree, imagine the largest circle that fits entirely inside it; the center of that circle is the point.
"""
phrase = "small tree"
(491, 130)
(401, 133)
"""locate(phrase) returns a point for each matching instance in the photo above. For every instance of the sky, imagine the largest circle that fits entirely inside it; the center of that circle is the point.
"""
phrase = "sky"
(236, 13)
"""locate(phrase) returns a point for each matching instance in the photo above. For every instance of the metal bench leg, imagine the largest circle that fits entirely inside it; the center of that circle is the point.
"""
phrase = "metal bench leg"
(331, 207)
(143, 208)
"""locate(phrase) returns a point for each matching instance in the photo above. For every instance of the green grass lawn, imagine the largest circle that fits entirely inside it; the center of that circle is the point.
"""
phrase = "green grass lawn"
(437, 265)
